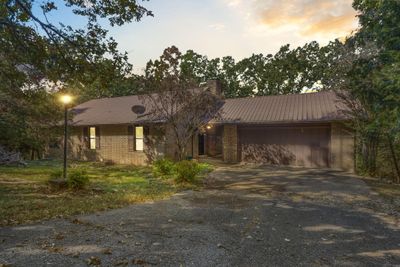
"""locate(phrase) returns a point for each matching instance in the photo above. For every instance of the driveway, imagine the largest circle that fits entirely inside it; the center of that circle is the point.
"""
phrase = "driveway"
(246, 216)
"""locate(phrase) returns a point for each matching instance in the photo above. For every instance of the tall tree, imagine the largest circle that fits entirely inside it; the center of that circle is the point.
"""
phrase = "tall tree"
(374, 82)
(175, 99)
(38, 58)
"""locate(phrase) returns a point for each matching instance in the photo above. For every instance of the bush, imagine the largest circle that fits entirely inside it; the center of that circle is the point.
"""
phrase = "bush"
(78, 179)
(163, 167)
(205, 167)
(186, 171)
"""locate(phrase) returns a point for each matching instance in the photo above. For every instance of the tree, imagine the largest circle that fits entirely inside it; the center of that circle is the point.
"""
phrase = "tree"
(373, 81)
(39, 58)
(176, 101)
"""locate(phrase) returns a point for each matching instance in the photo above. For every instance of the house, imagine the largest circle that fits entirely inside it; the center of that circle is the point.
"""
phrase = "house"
(299, 130)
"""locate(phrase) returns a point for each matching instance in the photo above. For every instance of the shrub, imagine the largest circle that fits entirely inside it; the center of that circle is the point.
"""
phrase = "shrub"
(78, 179)
(186, 171)
(163, 167)
(205, 167)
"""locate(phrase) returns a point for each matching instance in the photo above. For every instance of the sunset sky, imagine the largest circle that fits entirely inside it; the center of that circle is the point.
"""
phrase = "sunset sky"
(238, 28)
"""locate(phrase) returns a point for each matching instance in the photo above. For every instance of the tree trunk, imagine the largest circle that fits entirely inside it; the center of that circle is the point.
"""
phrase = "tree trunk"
(394, 158)
(371, 151)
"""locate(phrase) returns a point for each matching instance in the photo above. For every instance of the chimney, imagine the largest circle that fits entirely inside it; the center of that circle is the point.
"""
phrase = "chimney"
(214, 86)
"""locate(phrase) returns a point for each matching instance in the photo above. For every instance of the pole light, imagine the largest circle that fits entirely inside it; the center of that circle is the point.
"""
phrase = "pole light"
(65, 99)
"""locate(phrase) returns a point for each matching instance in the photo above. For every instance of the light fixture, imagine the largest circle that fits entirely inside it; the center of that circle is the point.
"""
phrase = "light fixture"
(208, 127)
(66, 99)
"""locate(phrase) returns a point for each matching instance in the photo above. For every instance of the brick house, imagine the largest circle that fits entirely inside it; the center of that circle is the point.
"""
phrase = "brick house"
(299, 130)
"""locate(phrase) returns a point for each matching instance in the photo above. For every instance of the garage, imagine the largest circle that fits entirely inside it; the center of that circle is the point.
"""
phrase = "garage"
(295, 145)
(309, 130)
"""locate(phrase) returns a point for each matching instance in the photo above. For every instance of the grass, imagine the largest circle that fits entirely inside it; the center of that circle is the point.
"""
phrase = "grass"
(25, 195)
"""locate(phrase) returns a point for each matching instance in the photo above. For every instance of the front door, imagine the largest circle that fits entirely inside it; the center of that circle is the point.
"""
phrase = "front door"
(201, 144)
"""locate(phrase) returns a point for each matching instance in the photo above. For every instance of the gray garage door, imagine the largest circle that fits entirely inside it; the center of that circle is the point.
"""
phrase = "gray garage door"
(285, 145)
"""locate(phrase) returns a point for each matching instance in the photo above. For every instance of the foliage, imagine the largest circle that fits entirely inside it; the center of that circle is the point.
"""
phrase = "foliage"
(39, 58)
(174, 101)
(182, 171)
(204, 167)
(77, 178)
(373, 86)
(163, 167)
(186, 171)
(288, 71)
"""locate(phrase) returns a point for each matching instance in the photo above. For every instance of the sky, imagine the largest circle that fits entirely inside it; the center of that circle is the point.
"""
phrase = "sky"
(238, 28)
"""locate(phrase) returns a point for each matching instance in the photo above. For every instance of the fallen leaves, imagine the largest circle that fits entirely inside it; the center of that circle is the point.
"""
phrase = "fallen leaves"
(93, 261)
(59, 236)
(107, 251)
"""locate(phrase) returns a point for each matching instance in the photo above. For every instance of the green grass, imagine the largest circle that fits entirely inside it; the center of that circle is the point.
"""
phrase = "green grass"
(25, 195)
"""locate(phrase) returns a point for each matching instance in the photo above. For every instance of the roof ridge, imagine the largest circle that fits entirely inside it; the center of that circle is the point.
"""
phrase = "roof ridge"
(294, 94)
(137, 95)
(245, 97)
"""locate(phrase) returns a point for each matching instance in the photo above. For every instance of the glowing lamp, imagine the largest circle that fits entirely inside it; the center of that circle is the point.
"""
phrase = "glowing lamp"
(66, 99)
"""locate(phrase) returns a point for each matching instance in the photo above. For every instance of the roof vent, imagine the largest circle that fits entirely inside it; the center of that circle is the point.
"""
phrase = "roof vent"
(138, 109)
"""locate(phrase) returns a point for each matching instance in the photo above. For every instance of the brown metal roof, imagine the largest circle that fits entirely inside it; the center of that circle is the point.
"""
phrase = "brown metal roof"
(310, 107)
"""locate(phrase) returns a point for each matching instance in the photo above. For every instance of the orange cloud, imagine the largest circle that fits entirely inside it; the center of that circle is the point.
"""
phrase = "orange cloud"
(310, 16)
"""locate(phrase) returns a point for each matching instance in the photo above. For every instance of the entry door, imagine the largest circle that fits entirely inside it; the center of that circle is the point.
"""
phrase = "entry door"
(201, 144)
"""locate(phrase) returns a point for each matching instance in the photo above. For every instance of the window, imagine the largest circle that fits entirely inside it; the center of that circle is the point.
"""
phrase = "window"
(92, 137)
(139, 138)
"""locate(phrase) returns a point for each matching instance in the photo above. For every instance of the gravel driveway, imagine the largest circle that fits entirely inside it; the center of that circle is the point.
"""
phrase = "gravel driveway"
(246, 216)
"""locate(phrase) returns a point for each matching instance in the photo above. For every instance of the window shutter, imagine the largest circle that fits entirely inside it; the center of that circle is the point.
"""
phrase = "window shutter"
(97, 137)
(131, 139)
(146, 132)
(85, 135)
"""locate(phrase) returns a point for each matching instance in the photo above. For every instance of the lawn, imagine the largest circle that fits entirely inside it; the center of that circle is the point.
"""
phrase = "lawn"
(25, 195)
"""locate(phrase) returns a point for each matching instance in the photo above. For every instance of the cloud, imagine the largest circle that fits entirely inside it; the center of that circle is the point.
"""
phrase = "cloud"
(311, 17)
(217, 26)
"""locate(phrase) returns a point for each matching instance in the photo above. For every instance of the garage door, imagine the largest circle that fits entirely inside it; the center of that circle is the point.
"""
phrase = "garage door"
(285, 145)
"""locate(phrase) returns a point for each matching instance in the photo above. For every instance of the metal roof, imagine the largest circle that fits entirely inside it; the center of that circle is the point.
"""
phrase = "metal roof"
(115, 110)
(311, 107)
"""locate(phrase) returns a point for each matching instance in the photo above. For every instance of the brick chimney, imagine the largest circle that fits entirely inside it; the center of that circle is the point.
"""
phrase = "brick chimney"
(214, 86)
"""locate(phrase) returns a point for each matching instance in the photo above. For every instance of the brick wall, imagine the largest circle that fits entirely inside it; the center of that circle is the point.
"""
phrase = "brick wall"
(113, 146)
(170, 145)
(230, 143)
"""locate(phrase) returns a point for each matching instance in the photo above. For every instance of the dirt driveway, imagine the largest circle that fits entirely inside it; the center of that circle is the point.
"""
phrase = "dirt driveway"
(246, 216)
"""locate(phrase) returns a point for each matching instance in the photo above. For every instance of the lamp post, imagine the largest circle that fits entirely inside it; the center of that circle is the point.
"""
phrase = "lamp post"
(65, 99)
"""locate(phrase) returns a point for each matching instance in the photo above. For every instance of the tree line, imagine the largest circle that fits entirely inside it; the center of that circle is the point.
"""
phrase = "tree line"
(40, 60)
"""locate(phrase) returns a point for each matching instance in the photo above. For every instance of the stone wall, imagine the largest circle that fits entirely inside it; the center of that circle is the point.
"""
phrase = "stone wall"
(342, 148)
(230, 144)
